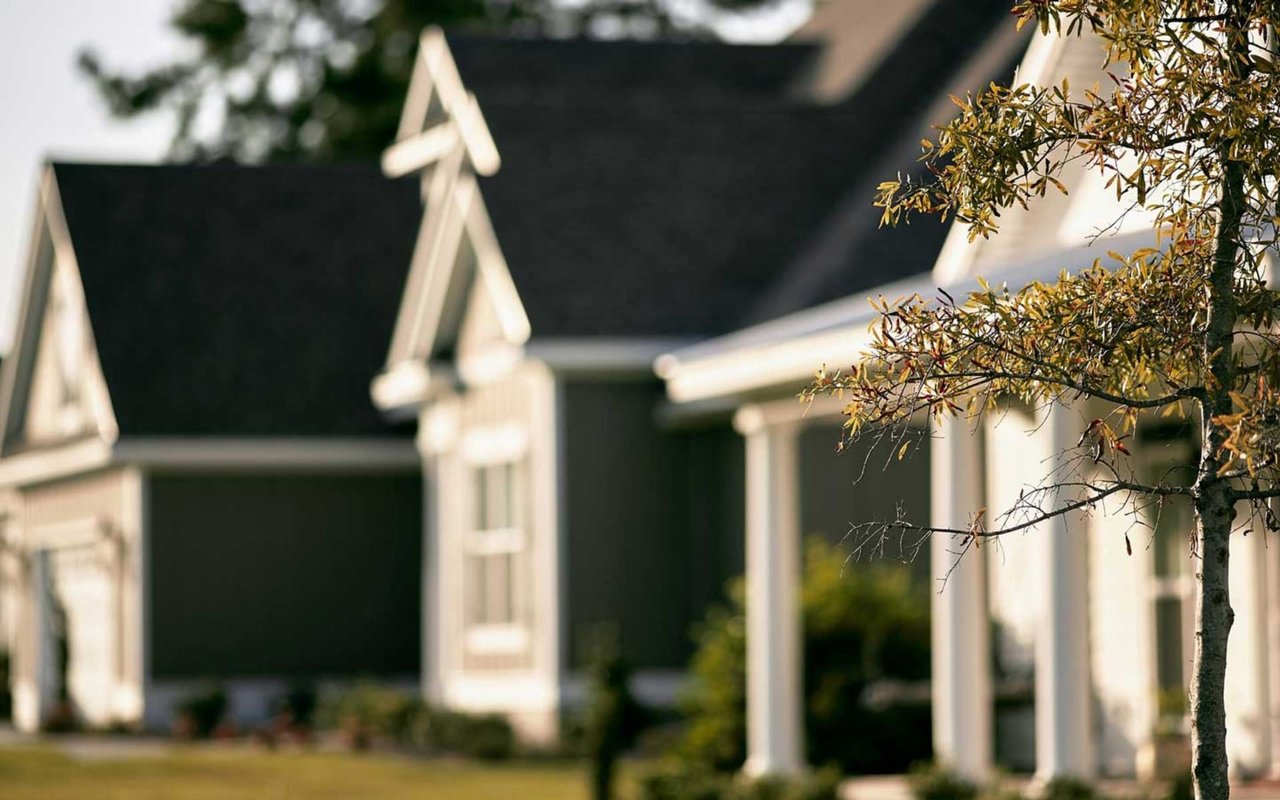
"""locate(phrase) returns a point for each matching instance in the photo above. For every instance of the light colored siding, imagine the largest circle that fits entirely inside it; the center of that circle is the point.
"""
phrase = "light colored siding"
(1120, 638)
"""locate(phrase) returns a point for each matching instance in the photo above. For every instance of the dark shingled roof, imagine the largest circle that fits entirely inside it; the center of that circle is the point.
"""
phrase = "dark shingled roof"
(241, 301)
(674, 189)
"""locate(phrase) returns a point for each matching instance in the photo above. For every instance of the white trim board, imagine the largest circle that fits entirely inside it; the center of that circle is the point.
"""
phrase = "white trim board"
(268, 453)
(419, 143)
(603, 356)
(786, 353)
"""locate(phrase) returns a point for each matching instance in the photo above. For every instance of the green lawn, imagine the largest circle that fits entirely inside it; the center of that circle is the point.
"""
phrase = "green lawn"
(203, 773)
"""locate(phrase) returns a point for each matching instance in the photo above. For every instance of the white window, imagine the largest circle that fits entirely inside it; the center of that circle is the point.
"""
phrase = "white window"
(495, 580)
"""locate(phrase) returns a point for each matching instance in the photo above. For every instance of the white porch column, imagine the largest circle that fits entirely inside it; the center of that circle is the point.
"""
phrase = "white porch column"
(775, 723)
(1064, 740)
(962, 733)
(1248, 689)
(1271, 557)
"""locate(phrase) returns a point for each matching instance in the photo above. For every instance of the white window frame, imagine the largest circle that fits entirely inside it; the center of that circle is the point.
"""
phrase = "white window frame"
(482, 449)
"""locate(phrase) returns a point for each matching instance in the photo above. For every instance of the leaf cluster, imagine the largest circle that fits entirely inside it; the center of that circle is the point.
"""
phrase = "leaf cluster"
(1184, 128)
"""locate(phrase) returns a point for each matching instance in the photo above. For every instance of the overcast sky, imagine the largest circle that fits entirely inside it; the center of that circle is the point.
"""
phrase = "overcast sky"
(48, 110)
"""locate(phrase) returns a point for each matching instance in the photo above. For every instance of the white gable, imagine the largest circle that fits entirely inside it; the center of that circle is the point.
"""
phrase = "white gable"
(1054, 222)
(62, 384)
(53, 389)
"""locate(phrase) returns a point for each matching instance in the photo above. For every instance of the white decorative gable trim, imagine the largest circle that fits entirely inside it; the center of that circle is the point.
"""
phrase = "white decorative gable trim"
(444, 135)
(53, 273)
(423, 139)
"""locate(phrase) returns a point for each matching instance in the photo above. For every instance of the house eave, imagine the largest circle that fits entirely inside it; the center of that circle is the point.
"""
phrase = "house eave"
(783, 354)
(268, 453)
(605, 356)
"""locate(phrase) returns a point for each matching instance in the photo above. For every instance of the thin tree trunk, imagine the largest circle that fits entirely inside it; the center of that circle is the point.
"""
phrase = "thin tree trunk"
(1215, 504)
(1213, 625)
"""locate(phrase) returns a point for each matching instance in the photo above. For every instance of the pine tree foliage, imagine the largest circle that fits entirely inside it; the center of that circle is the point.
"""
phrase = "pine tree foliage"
(324, 80)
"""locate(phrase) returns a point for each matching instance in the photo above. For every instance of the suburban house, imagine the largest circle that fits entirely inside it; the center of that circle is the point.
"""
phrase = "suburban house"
(588, 207)
(196, 487)
(1105, 638)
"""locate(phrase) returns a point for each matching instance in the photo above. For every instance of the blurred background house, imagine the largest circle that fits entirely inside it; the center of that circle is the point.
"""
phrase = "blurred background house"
(594, 277)
(198, 488)
(590, 206)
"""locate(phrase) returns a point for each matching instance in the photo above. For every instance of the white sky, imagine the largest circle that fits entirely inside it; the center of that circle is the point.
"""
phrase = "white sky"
(49, 110)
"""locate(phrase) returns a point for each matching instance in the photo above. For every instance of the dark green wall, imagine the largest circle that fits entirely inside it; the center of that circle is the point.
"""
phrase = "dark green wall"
(864, 483)
(275, 574)
(654, 521)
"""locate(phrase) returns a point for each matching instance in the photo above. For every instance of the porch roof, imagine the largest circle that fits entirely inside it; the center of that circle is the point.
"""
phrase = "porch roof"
(778, 356)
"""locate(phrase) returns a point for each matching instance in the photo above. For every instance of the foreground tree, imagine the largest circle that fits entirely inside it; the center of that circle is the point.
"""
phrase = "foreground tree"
(1188, 131)
(326, 79)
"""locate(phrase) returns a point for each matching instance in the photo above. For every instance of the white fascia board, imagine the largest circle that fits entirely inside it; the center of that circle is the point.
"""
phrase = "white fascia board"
(781, 365)
(421, 149)
(406, 385)
(320, 454)
(37, 466)
(779, 354)
(602, 355)
(436, 74)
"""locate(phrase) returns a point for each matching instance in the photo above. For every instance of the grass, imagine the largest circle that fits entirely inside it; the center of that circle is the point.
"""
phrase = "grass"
(206, 773)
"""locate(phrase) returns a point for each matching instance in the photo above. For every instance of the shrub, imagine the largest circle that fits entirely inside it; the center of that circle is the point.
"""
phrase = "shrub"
(1182, 788)
(678, 781)
(6, 699)
(612, 716)
(366, 712)
(487, 737)
(201, 712)
(299, 705)
(932, 782)
(865, 627)
(1068, 789)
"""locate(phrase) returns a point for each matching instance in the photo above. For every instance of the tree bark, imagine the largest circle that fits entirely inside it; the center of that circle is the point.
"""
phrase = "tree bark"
(1215, 504)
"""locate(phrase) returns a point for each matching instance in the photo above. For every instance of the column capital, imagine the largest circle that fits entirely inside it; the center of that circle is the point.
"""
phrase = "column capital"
(756, 417)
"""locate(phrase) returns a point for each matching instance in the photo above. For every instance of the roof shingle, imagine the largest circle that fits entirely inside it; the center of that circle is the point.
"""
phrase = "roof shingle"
(240, 301)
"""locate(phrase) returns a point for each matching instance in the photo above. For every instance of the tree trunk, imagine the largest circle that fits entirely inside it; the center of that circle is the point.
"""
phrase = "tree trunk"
(1215, 502)
(1215, 512)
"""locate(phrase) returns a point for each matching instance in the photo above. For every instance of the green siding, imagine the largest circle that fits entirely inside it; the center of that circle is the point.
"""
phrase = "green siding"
(862, 484)
(285, 575)
(654, 521)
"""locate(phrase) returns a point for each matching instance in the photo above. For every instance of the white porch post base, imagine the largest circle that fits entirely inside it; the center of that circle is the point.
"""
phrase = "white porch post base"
(775, 732)
(962, 733)
(1064, 741)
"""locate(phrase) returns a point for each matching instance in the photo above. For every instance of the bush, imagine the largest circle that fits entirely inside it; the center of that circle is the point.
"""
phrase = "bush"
(865, 628)
(367, 712)
(6, 699)
(298, 706)
(612, 720)
(683, 781)
(1068, 789)
(1182, 788)
(200, 713)
(487, 737)
(932, 782)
